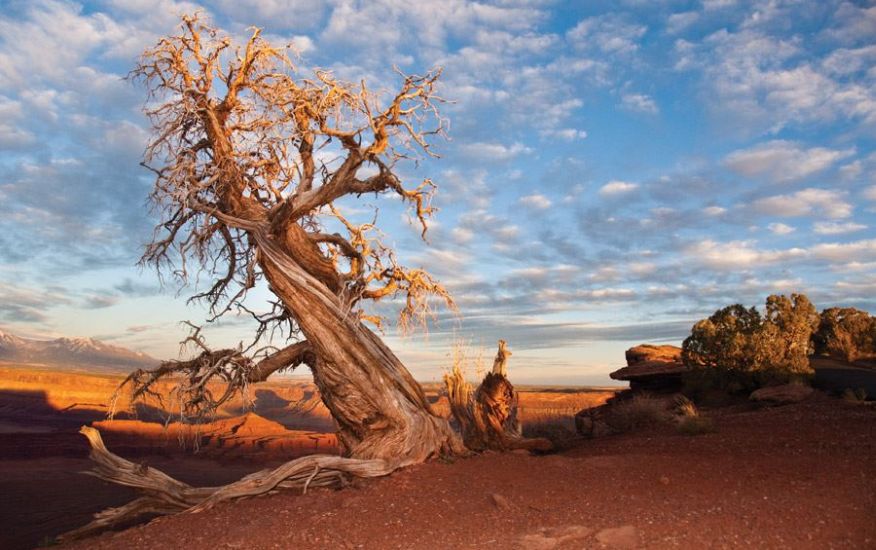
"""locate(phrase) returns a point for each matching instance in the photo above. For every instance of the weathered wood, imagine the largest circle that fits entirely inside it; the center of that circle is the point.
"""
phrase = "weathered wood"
(163, 494)
(242, 199)
(487, 417)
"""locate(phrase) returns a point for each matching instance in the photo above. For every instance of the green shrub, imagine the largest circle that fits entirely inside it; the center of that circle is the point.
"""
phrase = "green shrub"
(738, 350)
(846, 333)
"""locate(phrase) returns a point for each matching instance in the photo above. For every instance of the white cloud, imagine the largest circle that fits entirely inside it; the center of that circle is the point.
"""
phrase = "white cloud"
(536, 202)
(870, 193)
(678, 22)
(302, 44)
(837, 228)
(844, 61)
(494, 151)
(854, 23)
(735, 255)
(714, 210)
(566, 134)
(641, 268)
(640, 103)
(781, 229)
(710, 5)
(851, 171)
(614, 188)
(610, 33)
(386, 25)
(782, 161)
(12, 134)
(606, 294)
(806, 202)
(462, 235)
(857, 251)
(762, 82)
(277, 13)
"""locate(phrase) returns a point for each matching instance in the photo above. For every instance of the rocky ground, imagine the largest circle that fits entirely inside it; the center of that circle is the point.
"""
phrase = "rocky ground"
(794, 476)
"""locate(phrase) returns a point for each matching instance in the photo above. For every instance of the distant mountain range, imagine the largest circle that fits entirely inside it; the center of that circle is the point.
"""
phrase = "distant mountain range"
(84, 352)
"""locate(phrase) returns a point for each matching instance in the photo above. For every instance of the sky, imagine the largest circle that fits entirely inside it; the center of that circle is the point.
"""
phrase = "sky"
(614, 170)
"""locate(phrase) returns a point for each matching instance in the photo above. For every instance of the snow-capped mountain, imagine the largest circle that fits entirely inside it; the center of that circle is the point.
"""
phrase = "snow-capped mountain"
(71, 351)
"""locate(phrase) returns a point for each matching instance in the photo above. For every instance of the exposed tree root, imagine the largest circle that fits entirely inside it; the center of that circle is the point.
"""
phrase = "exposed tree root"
(487, 417)
(165, 495)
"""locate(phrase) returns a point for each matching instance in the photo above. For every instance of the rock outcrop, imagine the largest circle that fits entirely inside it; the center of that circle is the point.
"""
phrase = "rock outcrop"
(656, 369)
(782, 395)
(645, 353)
(652, 368)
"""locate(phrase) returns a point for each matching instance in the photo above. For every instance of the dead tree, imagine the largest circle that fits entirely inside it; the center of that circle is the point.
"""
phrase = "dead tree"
(487, 416)
(250, 162)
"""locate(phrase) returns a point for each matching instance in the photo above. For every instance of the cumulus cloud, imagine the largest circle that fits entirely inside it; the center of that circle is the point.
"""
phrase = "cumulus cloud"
(536, 202)
(781, 229)
(677, 22)
(616, 187)
(387, 24)
(639, 103)
(714, 210)
(831, 204)
(860, 251)
(766, 82)
(734, 255)
(612, 34)
(837, 228)
(853, 24)
(781, 161)
(566, 134)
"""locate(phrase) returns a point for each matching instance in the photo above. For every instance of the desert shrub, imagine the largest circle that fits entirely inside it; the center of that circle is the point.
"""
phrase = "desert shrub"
(784, 342)
(736, 349)
(695, 425)
(685, 407)
(725, 340)
(690, 421)
(560, 431)
(637, 412)
(846, 333)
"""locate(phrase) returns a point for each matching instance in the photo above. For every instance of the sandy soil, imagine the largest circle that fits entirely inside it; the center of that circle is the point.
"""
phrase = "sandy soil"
(798, 476)
(41, 455)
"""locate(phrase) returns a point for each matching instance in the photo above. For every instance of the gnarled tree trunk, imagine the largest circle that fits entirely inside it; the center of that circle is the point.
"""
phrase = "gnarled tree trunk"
(380, 410)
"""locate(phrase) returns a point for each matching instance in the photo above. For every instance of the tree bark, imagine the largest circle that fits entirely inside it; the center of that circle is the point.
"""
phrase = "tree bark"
(487, 417)
(380, 410)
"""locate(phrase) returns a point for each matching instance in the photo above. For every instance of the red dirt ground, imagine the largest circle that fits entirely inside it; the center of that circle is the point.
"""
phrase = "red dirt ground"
(43, 493)
(798, 476)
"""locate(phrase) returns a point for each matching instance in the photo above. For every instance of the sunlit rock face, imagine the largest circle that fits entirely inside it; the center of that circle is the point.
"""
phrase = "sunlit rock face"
(652, 368)
(645, 353)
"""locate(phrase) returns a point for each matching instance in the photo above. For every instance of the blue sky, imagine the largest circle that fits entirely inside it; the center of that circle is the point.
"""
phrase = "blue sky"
(616, 170)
